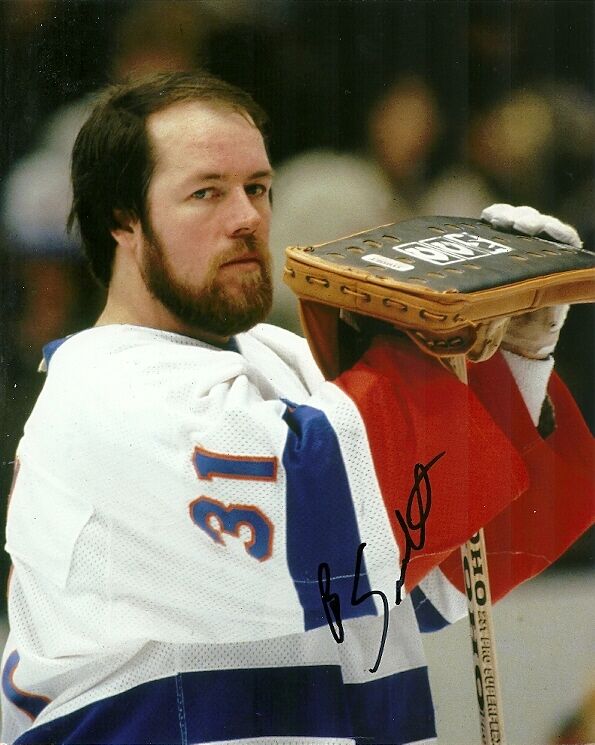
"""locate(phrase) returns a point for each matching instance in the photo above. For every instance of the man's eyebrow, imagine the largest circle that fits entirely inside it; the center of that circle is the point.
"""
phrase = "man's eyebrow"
(268, 173)
(263, 174)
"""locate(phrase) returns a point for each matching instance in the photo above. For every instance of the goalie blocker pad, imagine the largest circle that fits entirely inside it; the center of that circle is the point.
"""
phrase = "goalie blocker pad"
(435, 278)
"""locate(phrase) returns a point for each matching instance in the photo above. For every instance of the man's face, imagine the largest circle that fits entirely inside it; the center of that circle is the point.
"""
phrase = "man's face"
(205, 254)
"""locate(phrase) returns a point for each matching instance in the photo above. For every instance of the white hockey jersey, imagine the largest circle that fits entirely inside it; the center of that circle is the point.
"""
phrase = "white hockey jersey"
(193, 530)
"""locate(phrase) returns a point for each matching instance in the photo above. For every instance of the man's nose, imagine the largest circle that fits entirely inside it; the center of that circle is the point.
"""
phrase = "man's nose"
(243, 217)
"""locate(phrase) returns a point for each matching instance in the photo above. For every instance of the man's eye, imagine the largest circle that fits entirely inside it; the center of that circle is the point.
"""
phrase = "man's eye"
(256, 190)
(207, 193)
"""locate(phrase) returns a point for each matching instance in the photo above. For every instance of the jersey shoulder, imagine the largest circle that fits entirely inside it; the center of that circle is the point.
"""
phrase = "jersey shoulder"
(130, 356)
(286, 345)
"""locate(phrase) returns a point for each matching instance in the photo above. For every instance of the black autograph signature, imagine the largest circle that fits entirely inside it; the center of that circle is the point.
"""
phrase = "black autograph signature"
(413, 525)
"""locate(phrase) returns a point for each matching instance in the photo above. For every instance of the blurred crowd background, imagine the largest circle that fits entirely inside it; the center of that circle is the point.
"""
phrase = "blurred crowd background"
(379, 111)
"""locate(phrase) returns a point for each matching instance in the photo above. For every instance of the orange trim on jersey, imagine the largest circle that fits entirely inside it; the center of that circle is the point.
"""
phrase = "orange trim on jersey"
(26, 694)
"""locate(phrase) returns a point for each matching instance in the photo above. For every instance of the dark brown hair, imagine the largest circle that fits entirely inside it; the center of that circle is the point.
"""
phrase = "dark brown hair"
(112, 161)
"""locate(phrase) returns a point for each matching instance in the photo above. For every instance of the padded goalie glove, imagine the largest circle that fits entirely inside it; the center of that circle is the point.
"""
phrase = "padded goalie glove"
(534, 334)
(451, 284)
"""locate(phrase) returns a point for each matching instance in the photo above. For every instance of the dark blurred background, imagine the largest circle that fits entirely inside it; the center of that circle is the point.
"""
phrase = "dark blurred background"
(379, 110)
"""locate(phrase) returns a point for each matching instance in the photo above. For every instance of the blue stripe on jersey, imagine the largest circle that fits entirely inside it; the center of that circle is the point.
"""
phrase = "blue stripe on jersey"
(306, 702)
(321, 521)
(428, 616)
(394, 710)
(30, 703)
(145, 714)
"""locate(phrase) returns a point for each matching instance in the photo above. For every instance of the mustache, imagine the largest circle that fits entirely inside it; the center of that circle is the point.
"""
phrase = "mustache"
(241, 246)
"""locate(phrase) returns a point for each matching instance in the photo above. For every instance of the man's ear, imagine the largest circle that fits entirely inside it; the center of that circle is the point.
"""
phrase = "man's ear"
(126, 227)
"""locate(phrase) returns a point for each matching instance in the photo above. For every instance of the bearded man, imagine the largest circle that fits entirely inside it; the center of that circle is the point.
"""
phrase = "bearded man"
(192, 501)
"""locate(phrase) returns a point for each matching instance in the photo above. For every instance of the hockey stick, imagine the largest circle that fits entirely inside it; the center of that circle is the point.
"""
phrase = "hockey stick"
(477, 587)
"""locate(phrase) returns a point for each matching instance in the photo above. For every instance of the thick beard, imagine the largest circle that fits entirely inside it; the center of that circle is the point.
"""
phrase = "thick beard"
(211, 308)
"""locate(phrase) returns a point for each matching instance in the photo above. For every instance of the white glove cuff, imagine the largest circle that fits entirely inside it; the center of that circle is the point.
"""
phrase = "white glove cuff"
(531, 377)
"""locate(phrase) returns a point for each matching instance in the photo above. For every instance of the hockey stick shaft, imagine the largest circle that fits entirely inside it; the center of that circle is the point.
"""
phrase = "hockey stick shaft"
(479, 601)
(487, 688)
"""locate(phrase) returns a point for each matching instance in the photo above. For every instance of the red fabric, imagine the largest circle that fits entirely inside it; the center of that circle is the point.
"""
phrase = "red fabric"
(413, 410)
(559, 504)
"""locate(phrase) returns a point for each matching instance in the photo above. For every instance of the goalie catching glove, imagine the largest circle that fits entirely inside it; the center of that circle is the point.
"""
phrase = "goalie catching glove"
(456, 286)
